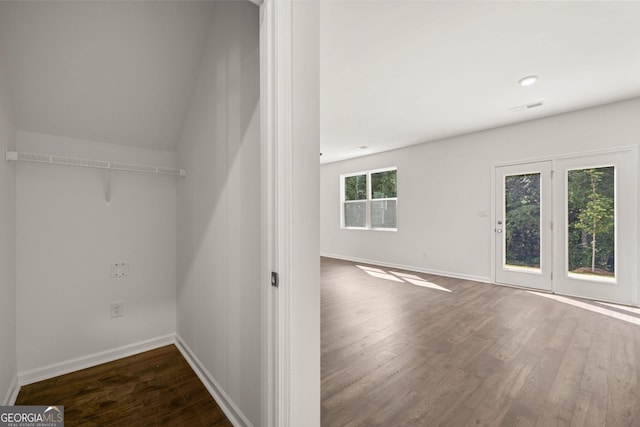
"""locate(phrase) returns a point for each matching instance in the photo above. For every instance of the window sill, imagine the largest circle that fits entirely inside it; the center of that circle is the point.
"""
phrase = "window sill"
(369, 229)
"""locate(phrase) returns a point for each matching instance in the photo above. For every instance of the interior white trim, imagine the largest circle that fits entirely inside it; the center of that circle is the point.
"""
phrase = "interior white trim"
(88, 361)
(230, 409)
(411, 268)
(636, 291)
(277, 116)
(589, 153)
(268, 391)
(12, 392)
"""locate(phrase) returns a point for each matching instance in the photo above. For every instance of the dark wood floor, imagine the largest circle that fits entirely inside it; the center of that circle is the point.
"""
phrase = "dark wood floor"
(397, 354)
(155, 388)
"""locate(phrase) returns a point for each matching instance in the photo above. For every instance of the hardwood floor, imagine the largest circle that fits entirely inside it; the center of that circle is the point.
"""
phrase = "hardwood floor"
(155, 388)
(402, 348)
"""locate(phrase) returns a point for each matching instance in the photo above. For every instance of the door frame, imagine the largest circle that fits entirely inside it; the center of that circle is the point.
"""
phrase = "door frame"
(633, 152)
(289, 114)
(276, 129)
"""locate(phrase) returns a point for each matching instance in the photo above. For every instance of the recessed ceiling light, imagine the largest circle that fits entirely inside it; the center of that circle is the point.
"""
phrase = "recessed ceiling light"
(363, 147)
(528, 80)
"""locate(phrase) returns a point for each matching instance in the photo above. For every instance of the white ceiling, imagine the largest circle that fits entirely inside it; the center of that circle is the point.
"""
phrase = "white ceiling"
(393, 73)
(396, 73)
(111, 71)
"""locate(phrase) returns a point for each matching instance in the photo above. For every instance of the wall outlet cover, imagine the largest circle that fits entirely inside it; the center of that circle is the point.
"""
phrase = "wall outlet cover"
(119, 269)
(117, 309)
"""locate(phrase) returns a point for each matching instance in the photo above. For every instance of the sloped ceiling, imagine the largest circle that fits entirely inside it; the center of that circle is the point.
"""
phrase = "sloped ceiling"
(110, 71)
(393, 73)
(396, 73)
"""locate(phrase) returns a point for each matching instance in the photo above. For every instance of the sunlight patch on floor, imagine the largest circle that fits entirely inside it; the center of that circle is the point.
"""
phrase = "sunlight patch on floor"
(419, 281)
(380, 274)
(384, 276)
(396, 276)
(592, 307)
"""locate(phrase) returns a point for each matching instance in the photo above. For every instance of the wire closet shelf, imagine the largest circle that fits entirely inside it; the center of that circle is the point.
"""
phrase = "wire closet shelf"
(90, 163)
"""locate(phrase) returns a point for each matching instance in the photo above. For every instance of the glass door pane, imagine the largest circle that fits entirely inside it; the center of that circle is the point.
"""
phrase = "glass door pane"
(522, 220)
(591, 221)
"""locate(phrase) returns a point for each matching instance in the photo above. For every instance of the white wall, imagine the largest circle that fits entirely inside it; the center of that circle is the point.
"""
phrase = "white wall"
(219, 217)
(67, 238)
(444, 185)
(7, 247)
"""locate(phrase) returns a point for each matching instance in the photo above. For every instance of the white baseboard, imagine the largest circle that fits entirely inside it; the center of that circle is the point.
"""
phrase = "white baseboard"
(411, 268)
(72, 365)
(230, 409)
(12, 392)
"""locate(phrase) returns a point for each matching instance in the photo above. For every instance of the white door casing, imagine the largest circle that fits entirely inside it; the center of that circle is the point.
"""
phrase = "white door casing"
(290, 238)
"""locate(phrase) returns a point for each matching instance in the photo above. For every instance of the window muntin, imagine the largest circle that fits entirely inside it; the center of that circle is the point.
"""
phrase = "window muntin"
(370, 199)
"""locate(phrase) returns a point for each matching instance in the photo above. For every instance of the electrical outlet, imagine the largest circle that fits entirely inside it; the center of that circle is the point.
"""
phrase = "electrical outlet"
(117, 309)
(120, 269)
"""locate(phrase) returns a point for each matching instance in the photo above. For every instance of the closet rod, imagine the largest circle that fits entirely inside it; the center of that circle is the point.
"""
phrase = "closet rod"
(88, 163)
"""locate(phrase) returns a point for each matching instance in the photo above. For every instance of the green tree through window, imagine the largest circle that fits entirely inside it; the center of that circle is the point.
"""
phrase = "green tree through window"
(355, 187)
(522, 220)
(383, 185)
(591, 215)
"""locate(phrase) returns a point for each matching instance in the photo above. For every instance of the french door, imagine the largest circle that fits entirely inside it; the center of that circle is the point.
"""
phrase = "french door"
(569, 226)
(523, 225)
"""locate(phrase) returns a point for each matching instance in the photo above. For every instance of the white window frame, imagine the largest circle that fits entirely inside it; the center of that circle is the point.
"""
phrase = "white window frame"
(367, 201)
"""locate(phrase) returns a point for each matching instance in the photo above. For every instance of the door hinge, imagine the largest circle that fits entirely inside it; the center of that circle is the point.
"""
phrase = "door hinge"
(551, 225)
(275, 279)
(552, 276)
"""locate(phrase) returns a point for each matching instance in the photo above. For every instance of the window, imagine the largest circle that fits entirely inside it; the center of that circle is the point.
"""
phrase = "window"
(370, 199)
